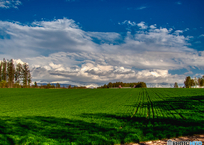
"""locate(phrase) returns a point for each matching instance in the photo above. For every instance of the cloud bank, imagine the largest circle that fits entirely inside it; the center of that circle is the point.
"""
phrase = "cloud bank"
(60, 51)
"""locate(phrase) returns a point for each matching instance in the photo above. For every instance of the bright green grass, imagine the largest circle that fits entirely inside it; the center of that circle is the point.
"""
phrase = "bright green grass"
(98, 116)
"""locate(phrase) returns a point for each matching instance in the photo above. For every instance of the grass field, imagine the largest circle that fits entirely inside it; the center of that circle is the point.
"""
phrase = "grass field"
(98, 116)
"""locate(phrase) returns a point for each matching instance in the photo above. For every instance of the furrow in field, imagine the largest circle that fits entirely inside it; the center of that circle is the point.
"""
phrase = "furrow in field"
(151, 105)
(136, 104)
(172, 108)
(190, 102)
(188, 107)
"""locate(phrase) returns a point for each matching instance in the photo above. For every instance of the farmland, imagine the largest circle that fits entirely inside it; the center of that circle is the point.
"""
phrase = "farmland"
(98, 116)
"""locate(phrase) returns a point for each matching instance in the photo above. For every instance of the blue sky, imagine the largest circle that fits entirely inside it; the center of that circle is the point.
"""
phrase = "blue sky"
(92, 42)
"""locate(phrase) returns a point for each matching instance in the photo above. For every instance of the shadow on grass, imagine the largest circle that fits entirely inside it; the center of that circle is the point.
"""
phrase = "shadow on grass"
(21, 130)
(52, 130)
(153, 129)
(38, 129)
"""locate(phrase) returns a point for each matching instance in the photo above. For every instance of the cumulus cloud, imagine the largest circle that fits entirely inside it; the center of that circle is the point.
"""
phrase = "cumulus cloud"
(60, 51)
(9, 4)
(92, 73)
(142, 25)
(177, 32)
(153, 26)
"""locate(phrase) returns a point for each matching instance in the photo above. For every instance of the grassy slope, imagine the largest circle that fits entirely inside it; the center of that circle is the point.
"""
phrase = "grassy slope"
(98, 116)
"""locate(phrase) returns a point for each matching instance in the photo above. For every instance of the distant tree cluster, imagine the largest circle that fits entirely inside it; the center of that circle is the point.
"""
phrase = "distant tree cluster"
(12, 76)
(118, 84)
(194, 82)
(57, 86)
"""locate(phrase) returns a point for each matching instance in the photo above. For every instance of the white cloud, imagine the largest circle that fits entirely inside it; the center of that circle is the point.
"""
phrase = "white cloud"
(9, 4)
(153, 26)
(142, 25)
(16, 61)
(186, 29)
(202, 35)
(177, 32)
(141, 8)
(59, 51)
(61, 34)
(128, 23)
(92, 86)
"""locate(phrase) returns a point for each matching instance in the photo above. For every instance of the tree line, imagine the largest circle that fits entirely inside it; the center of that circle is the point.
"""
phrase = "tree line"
(121, 84)
(191, 82)
(57, 86)
(12, 76)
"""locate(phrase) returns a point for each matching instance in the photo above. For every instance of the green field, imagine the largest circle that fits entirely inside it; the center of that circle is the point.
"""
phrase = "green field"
(98, 116)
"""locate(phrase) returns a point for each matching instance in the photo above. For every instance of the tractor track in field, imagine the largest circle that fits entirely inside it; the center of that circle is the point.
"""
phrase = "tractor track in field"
(129, 118)
(171, 107)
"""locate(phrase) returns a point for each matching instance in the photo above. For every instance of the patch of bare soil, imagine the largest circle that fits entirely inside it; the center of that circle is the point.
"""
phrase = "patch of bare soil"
(196, 137)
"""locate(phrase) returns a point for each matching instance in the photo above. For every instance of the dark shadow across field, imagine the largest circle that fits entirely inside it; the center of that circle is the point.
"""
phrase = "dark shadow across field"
(39, 129)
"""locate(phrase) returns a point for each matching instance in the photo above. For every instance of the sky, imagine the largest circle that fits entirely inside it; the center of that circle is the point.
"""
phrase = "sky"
(94, 42)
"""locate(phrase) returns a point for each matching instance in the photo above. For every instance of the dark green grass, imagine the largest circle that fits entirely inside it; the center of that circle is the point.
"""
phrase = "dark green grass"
(98, 116)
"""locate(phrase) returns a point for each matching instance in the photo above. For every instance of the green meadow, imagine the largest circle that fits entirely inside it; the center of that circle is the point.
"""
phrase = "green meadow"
(98, 116)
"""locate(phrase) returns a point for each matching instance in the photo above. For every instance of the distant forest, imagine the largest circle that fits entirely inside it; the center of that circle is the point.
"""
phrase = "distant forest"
(121, 84)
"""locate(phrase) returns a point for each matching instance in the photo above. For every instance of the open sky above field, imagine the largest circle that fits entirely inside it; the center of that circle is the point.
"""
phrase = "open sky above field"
(92, 42)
